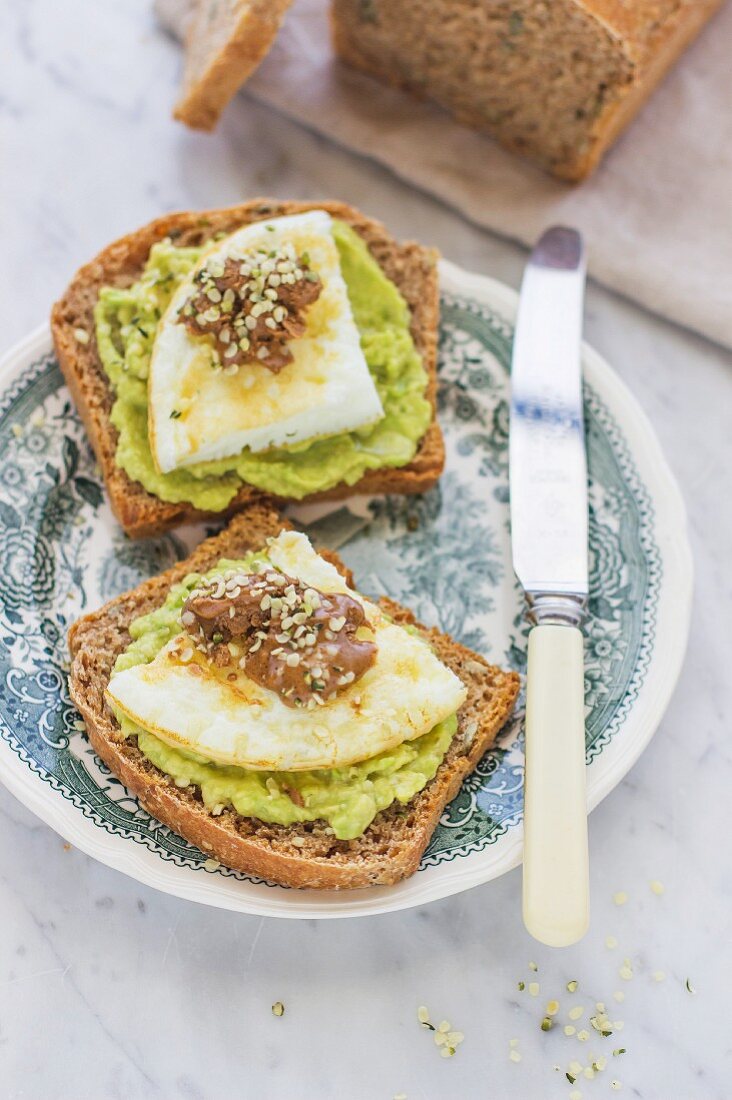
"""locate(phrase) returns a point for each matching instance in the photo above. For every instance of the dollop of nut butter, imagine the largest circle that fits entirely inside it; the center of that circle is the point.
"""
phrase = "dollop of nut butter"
(252, 306)
(304, 644)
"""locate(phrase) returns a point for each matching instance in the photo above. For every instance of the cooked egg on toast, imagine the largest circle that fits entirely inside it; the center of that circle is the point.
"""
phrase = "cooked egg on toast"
(212, 392)
(222, 714)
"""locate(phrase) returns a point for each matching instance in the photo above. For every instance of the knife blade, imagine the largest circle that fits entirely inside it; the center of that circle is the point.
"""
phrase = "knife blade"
(549, 534)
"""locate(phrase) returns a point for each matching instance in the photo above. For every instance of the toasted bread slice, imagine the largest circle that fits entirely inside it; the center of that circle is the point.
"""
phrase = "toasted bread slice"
(225, 42)
(303, 855)
(410, 266)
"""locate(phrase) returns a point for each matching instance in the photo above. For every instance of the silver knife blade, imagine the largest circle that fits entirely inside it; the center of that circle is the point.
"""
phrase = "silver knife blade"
(548, 464)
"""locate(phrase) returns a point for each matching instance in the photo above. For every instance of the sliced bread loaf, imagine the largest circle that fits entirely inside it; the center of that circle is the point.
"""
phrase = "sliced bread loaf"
(554, 81)
(410, 266)
(305, 855)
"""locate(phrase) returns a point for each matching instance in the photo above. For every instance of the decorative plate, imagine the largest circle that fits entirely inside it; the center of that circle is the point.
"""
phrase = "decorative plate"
(446, 555)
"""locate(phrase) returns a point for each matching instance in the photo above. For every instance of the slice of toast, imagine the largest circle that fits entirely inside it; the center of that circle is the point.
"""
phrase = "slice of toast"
(225, 42)
(302, 855)
(410, 266)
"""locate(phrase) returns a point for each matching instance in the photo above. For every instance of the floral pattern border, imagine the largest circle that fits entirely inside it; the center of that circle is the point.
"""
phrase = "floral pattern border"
(47, 540)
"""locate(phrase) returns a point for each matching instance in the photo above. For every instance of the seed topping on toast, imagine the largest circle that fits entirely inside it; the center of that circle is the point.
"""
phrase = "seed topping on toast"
(304, 644)
(253, 305)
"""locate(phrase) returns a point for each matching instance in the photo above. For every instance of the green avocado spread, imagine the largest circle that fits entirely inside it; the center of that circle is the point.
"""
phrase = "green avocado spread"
(126, 324)
(347, 798)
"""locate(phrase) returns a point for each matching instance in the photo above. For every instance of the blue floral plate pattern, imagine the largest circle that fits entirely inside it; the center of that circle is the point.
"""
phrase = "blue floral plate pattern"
(446, 555)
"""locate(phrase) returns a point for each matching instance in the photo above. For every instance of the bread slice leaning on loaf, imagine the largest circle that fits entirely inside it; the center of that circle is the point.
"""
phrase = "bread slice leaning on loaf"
(301, 855)
(225, 42)
(410, 266)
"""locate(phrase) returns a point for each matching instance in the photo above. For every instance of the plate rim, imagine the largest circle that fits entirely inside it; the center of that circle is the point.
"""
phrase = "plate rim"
(453, 878)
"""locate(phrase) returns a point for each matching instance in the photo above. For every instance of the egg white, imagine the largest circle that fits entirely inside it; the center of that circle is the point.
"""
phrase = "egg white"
(326, 390)
(402, 696)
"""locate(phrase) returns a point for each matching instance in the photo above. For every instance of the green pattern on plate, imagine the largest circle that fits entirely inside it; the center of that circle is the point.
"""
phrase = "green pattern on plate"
(446, 555)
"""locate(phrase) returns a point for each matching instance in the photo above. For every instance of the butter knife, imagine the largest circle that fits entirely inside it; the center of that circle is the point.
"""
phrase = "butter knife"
(548, 482)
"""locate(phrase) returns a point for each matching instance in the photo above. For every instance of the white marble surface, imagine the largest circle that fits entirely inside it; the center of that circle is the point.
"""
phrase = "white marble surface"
(110, 990)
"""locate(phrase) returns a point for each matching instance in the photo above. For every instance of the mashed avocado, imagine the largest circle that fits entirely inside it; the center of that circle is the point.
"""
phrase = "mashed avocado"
(126, 323)
(347, 798)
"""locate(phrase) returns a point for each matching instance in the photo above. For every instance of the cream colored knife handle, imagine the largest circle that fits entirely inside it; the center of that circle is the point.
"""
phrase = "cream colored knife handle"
(556, 884)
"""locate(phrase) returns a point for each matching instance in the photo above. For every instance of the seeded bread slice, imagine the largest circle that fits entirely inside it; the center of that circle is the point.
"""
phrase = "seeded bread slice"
(410, 266)
(225, 42)
(303, 855)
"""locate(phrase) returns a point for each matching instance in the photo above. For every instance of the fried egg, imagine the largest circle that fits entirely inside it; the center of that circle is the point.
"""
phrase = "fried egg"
(196, 707)
(197, 413)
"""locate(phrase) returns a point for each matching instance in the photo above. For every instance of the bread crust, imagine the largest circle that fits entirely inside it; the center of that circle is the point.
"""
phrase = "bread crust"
(298, 856)
(409, 265)
(221, 57)
(666, 45)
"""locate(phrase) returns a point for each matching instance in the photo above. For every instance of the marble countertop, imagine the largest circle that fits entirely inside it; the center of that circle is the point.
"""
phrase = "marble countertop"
(111, 990)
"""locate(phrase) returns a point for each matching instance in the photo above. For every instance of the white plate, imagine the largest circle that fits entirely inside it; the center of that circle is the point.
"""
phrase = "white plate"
(446, 555)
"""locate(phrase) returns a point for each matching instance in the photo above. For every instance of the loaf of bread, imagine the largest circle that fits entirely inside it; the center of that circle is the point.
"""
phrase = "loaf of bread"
(555, 80)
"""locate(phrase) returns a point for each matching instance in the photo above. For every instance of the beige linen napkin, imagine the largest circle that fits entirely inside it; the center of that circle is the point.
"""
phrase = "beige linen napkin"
(657, 215)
